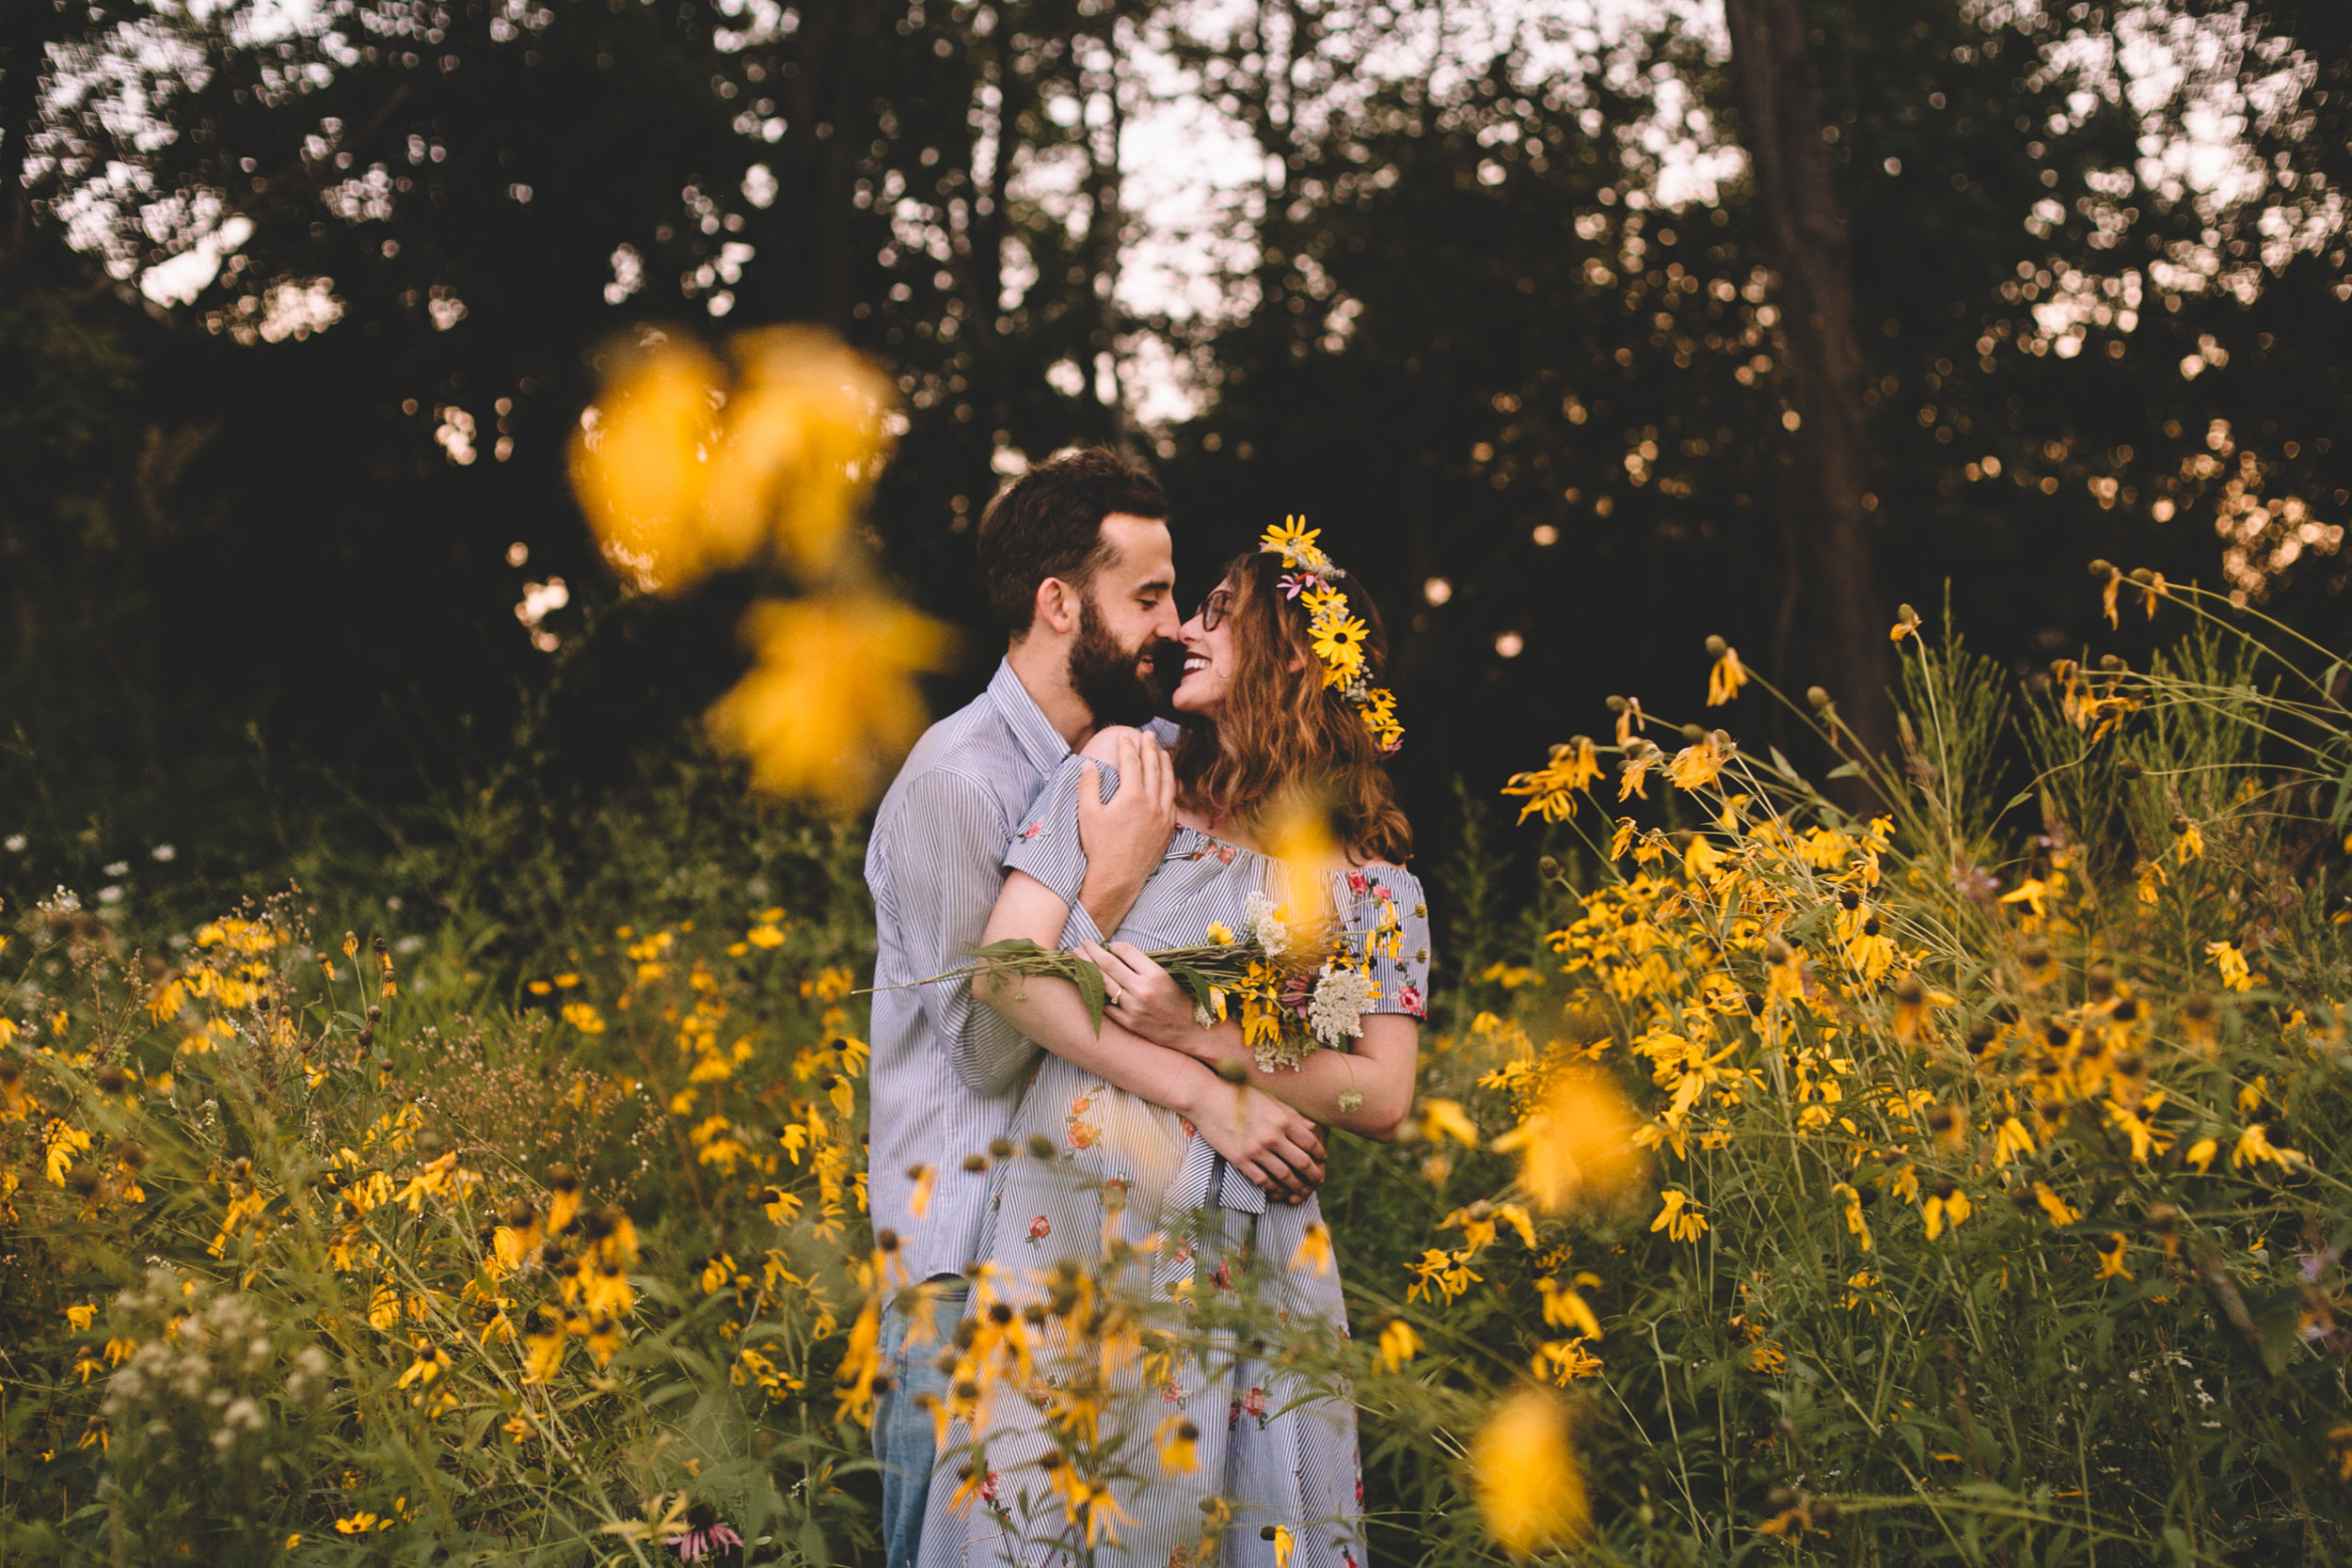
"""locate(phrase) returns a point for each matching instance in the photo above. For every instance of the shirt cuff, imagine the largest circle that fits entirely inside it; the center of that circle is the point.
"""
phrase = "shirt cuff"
(1079, 928)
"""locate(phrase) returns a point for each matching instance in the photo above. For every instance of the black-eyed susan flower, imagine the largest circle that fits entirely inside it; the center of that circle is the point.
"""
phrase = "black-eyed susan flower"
(2110, 1249)
(1946, 1207)
(1728, 674)
(1178, 1440)
(543, 1347)
(1680, 1217)
(1399, 1344)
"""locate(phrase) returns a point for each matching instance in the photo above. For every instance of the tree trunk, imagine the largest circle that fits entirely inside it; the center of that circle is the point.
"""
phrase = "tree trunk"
(1820, 361)
(23, 56)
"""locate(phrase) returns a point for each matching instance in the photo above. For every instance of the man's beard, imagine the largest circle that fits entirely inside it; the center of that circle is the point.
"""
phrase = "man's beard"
(1109, 677)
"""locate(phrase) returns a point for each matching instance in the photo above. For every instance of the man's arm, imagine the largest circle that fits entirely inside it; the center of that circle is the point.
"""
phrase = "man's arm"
(946, 865)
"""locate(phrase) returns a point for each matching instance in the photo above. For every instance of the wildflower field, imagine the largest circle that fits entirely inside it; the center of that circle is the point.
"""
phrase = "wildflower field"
(1948, 1174)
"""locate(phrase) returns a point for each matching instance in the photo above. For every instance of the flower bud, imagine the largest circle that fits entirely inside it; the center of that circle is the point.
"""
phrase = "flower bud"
(1817, 696)
(2102, 569)
(1716, 647)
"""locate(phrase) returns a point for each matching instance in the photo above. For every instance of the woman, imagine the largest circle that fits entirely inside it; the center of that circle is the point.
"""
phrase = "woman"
(1226, 1458)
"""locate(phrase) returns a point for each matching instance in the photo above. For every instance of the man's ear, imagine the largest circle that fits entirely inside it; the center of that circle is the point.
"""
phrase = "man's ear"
(1056, 606)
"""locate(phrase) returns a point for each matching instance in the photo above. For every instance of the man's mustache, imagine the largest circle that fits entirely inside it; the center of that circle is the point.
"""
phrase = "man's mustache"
(1168, 664)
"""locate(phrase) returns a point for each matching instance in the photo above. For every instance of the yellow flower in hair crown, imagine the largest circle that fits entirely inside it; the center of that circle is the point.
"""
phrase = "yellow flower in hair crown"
(1338, 636)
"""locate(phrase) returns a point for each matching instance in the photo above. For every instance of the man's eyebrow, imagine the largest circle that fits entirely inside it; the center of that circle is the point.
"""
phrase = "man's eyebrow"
(1157, 585)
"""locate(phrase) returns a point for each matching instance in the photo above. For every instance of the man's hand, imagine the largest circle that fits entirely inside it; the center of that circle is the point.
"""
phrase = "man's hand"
(1272, 1144)
(1126, 836)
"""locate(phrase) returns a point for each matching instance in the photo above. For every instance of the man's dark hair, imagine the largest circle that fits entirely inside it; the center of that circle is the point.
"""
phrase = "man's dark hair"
(1049, 524)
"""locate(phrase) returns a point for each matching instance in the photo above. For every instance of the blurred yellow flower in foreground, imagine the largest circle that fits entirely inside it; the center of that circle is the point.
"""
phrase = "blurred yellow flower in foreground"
(1525, 1472)
(685, 469)
(641, 461)
(830, 701)
(805, 438)
(1577, 1151)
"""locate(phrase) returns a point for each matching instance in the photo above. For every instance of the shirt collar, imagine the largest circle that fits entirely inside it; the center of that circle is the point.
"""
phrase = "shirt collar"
(1043, 743)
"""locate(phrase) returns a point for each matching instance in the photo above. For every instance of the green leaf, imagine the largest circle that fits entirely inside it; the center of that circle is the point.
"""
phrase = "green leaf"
(1194, 982)
(1846, 770)
(1012, 948)
(1088, 977)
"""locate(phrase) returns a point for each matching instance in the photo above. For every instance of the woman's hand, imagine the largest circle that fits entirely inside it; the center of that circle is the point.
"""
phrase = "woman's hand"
(1270, 1144)
(1146, 1000)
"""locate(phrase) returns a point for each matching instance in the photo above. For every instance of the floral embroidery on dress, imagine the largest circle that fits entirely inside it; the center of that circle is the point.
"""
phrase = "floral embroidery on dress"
(1408, 998)
(1040, 1228)
(1034, 831)
(1083, 1133)
(1255, 1406)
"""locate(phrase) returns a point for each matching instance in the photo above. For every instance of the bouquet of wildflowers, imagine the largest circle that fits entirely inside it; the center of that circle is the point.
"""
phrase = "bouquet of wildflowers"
(1300, 982)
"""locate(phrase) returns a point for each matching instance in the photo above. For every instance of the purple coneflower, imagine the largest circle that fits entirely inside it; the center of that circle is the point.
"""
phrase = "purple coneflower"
(704, 1534)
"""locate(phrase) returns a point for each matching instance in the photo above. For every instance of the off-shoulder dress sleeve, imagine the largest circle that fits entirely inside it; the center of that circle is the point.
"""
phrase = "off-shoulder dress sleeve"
(1400, 955)
(1045, 840)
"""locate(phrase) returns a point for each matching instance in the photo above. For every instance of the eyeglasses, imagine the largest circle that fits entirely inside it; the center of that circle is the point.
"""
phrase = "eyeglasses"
(1213, 608)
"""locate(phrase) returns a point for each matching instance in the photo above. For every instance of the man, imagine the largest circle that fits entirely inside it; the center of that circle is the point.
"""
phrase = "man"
(1079, 570)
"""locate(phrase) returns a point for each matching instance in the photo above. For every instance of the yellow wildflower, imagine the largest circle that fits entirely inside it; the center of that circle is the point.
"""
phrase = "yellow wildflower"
(1443, 1118)
(1856, 1221)
(1399, 1344)
(1682, 1219)
(2254, 1146)
(830, 701)
(1727, 676)
(2059, 1210)
(1524, 1470)
(1551, 790)
(1698, 765)
(2231, 963)
(2111, 1255)
(1314, 1251)
(1178, 1439)
(1946, 1206)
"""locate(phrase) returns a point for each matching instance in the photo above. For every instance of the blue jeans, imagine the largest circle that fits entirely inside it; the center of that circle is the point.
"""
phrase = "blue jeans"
(906, 1441)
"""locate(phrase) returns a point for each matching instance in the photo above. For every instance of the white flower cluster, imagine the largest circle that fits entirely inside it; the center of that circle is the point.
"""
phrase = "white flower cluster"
(1262, 923)
(200, 1381)
(1286, 1049)
(1337, 1009)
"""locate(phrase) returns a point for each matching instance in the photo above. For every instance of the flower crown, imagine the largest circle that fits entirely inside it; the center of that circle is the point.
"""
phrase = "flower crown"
(1339, 637)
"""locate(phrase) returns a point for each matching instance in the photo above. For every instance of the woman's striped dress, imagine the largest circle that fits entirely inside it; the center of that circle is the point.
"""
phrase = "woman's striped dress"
(1268, 1453)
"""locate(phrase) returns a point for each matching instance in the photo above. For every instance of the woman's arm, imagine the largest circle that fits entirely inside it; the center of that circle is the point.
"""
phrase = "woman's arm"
(1380, 1066)
(1272, 1144)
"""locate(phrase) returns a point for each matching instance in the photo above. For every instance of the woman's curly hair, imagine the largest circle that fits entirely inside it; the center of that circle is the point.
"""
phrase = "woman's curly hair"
(1280, 730)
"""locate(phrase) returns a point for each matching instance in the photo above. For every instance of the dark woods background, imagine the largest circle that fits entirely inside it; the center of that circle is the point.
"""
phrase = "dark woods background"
(252, 602)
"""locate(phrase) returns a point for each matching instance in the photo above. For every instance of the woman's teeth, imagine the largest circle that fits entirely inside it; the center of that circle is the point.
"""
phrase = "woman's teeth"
(1195, 662)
